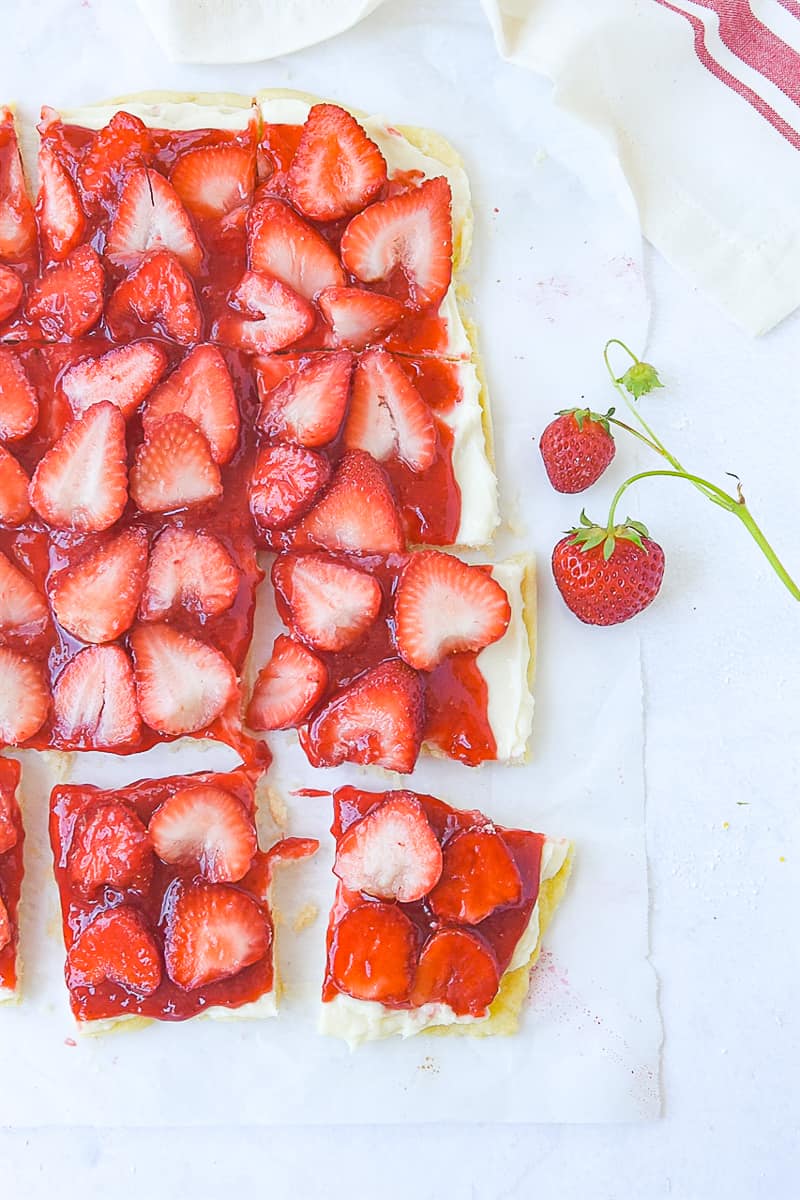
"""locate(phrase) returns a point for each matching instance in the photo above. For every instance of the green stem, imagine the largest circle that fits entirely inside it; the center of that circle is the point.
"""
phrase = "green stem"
(635, 432)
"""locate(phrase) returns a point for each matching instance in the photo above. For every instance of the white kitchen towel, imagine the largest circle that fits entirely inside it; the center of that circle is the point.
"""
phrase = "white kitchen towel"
(701, 101)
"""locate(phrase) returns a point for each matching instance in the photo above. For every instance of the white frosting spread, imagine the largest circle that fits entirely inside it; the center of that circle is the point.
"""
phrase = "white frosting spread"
(505, 666)
(368, 1020)
(169, 114)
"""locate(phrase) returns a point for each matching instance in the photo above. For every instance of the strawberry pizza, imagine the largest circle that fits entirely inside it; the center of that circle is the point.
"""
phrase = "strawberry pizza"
(233, 349)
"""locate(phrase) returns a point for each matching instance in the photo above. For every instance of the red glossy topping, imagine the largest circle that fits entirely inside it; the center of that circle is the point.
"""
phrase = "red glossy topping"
(67, 301)
(12, 837)
(116, 947)
(478, 875)
(453, 962)
(373, 953)
(109, 846)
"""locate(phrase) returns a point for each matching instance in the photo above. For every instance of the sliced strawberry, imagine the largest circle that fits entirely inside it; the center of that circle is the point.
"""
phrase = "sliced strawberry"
(124, 375)
(109, 846)
(158, 294)
(94, 700)
(405, 243)
(124, 142)
(442, 606)
(358, 318)
(23, 610)
(279, 317)
(330, 605)
(9, 820)
(377, 720)
(11, 290)
(207, 828)
(478, 875)
(150, 216)
(174, 467)
(19, 407)
(202, 389)
(24, 697)
(116, 946)
(336, 169)
(188, 570)
(67, 300)
(17, 224)
(392, 852)
(308, 406)
(96, 598)
(182, 684)
(215, 180)
(456, 968)
(282, 244)
(213, 931)
(374, 953)
(5, 925)
(285, 482)
(387, 416)
(288, 686)
(82, 481)
(357, 514)
(58, 208)
(14, 503)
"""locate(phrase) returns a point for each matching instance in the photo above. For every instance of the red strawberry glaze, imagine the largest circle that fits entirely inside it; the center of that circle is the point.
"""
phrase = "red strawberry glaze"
(500, 931)
(456, 694)
(430, 500)
(168, 1002)
(11, 872)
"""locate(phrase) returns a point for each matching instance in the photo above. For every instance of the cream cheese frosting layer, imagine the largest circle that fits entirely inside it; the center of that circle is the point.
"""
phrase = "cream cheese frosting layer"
(177, 114)
(506, 666)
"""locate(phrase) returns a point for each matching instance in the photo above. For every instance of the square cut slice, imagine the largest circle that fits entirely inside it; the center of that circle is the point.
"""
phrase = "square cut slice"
(438, 917)
(165, 898)
(12, 837)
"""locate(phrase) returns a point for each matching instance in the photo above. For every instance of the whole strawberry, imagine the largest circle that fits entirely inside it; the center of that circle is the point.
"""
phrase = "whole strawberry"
(607, 575)
(576, 447)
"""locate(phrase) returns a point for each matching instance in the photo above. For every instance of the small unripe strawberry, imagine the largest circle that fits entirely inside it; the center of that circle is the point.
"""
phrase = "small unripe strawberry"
(608, 575)
(576, 448)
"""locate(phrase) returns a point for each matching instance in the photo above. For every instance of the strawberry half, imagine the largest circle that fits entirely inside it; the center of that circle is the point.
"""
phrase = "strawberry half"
(116, 946)
(456, 968)
(24, 697)
(278, 316)
(14, 503)
(207, 828)
(174, 467)
(357, 317)
(17, 224)
(443, 606)
(357, 514)
(215, 180)
(336, 169)
(124, 375)
(109, 846)
(149, 217)
(281, 244)
(58, 209)
(288, 686)
(391, 853)
(9, 832)
(405, 243)
(212, 932)
(308, 406)
(94, 700)
(23, 609)
(6, 932)
(202, 389)
(188, 570)
(182, 684)
(387, 416)
(82, 481)
(374, 953)
(158, 294)
(11, 289)
(377, 720)
(285, 482)
(123, 143)
(67, 300)
(19, 407)
(330, 605)
(96, 598)
(478, 875)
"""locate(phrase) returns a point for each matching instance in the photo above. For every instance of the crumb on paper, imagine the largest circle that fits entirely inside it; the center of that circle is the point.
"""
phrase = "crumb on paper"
(305, 917)
(540, 156)
(726, 824)
(429, 1065)
(781, 858)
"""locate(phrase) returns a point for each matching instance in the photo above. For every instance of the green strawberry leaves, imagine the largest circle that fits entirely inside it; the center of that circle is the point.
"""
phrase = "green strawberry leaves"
(585, 414)
(588, 536)
(640, 379)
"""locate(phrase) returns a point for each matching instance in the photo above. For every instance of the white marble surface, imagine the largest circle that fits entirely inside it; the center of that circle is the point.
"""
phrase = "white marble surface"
(722, 685)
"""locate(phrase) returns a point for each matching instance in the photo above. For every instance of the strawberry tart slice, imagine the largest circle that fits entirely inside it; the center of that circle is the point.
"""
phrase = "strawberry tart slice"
(165, 898)
(12, 837)
(438, 917)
